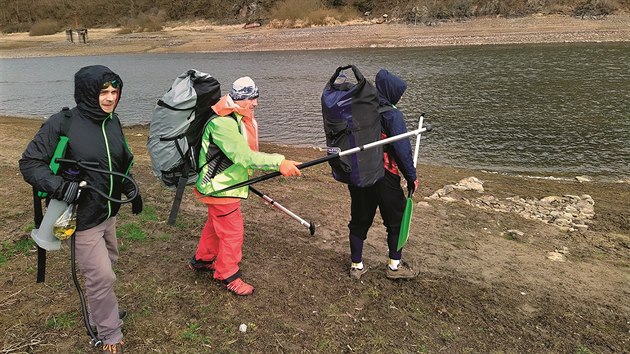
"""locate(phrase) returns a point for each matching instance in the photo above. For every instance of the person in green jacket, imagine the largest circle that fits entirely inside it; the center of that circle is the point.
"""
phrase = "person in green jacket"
(229, 153)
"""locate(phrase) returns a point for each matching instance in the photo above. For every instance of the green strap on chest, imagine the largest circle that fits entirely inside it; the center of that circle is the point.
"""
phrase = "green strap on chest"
(60, 150)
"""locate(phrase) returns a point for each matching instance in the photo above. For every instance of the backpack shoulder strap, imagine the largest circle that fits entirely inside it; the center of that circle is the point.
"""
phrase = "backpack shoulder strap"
(60, 149)
(65, 124)
(385, 108)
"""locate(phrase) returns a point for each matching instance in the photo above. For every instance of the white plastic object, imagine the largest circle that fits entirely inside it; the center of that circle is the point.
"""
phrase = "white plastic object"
(44, 236)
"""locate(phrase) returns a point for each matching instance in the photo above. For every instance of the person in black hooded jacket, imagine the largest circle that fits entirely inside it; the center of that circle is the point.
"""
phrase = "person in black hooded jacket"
(386, 194)
(95, 135)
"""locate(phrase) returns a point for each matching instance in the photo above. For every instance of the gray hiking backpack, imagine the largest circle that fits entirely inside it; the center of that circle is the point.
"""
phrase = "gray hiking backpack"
(177, 125)
(176, 128)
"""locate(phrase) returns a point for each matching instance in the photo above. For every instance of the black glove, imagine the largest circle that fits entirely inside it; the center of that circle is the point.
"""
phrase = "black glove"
(70, 192)
(411, 186)
(136, 205)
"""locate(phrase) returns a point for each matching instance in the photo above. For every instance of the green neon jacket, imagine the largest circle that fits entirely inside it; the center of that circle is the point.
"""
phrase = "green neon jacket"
(226, 157)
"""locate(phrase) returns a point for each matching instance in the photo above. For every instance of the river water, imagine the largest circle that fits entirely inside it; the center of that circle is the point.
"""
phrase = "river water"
(532, 109)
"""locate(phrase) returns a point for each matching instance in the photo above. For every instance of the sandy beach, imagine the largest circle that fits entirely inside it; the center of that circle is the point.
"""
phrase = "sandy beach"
(203, 37)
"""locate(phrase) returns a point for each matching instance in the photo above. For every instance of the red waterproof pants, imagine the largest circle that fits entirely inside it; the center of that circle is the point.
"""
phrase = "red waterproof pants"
(222, 239)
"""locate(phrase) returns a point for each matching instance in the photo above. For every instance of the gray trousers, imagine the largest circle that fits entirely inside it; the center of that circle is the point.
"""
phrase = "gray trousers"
(96, 253)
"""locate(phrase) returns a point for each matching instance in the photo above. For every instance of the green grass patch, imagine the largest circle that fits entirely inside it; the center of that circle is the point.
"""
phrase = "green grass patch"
(582, 350)
(10, 249)
(191, 334)
(131, 232)
(28, 227)
(65, 320)
(324, 344)
(149, 213)
(24, 246)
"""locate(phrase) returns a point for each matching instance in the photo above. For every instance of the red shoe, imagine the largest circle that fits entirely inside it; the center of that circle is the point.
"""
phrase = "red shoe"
(239, 287)
(200, 266)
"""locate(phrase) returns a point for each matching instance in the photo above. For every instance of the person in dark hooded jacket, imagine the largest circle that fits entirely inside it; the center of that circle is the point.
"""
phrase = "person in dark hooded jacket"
(95, 135)
(386, 194)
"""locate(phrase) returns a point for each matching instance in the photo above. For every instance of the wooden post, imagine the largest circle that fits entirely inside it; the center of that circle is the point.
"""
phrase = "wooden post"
(82, 34)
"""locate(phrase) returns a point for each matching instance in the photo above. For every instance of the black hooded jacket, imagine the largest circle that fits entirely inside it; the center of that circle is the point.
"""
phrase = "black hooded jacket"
(94, 136)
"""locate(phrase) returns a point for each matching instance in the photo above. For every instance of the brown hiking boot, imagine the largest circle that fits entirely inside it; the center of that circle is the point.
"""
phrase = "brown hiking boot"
(404, 271)
(356, 273)
(113, 348)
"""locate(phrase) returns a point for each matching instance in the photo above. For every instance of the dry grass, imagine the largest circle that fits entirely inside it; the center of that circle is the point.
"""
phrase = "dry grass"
(44, 28)
(306, 13)
(152, 21)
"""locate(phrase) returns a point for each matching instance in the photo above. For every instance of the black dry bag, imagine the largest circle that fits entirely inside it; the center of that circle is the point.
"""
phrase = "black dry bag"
(351, 119)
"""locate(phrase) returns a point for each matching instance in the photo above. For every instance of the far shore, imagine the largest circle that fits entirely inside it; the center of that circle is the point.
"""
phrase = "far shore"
(202, 37)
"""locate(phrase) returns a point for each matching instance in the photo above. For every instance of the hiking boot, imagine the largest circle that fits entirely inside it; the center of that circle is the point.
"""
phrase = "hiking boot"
(356, 273)
(200, 266)
(239, 287)
(122, 313)
(113, 348)
(404, 271)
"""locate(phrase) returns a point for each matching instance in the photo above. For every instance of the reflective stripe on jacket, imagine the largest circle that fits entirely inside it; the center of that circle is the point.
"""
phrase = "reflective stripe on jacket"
(228, 136)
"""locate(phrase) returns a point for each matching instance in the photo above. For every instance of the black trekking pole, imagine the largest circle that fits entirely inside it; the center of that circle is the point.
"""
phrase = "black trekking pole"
(41, 252)
(309, 225)
(333, 154)
(95, 341)
(179, 193)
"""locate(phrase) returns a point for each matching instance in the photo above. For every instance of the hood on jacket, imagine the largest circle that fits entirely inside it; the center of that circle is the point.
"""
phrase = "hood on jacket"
(87, 88)
(227, 106)
(390, 87)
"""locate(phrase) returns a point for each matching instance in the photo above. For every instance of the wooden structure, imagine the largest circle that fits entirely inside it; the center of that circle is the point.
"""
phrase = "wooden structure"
(82, 35)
